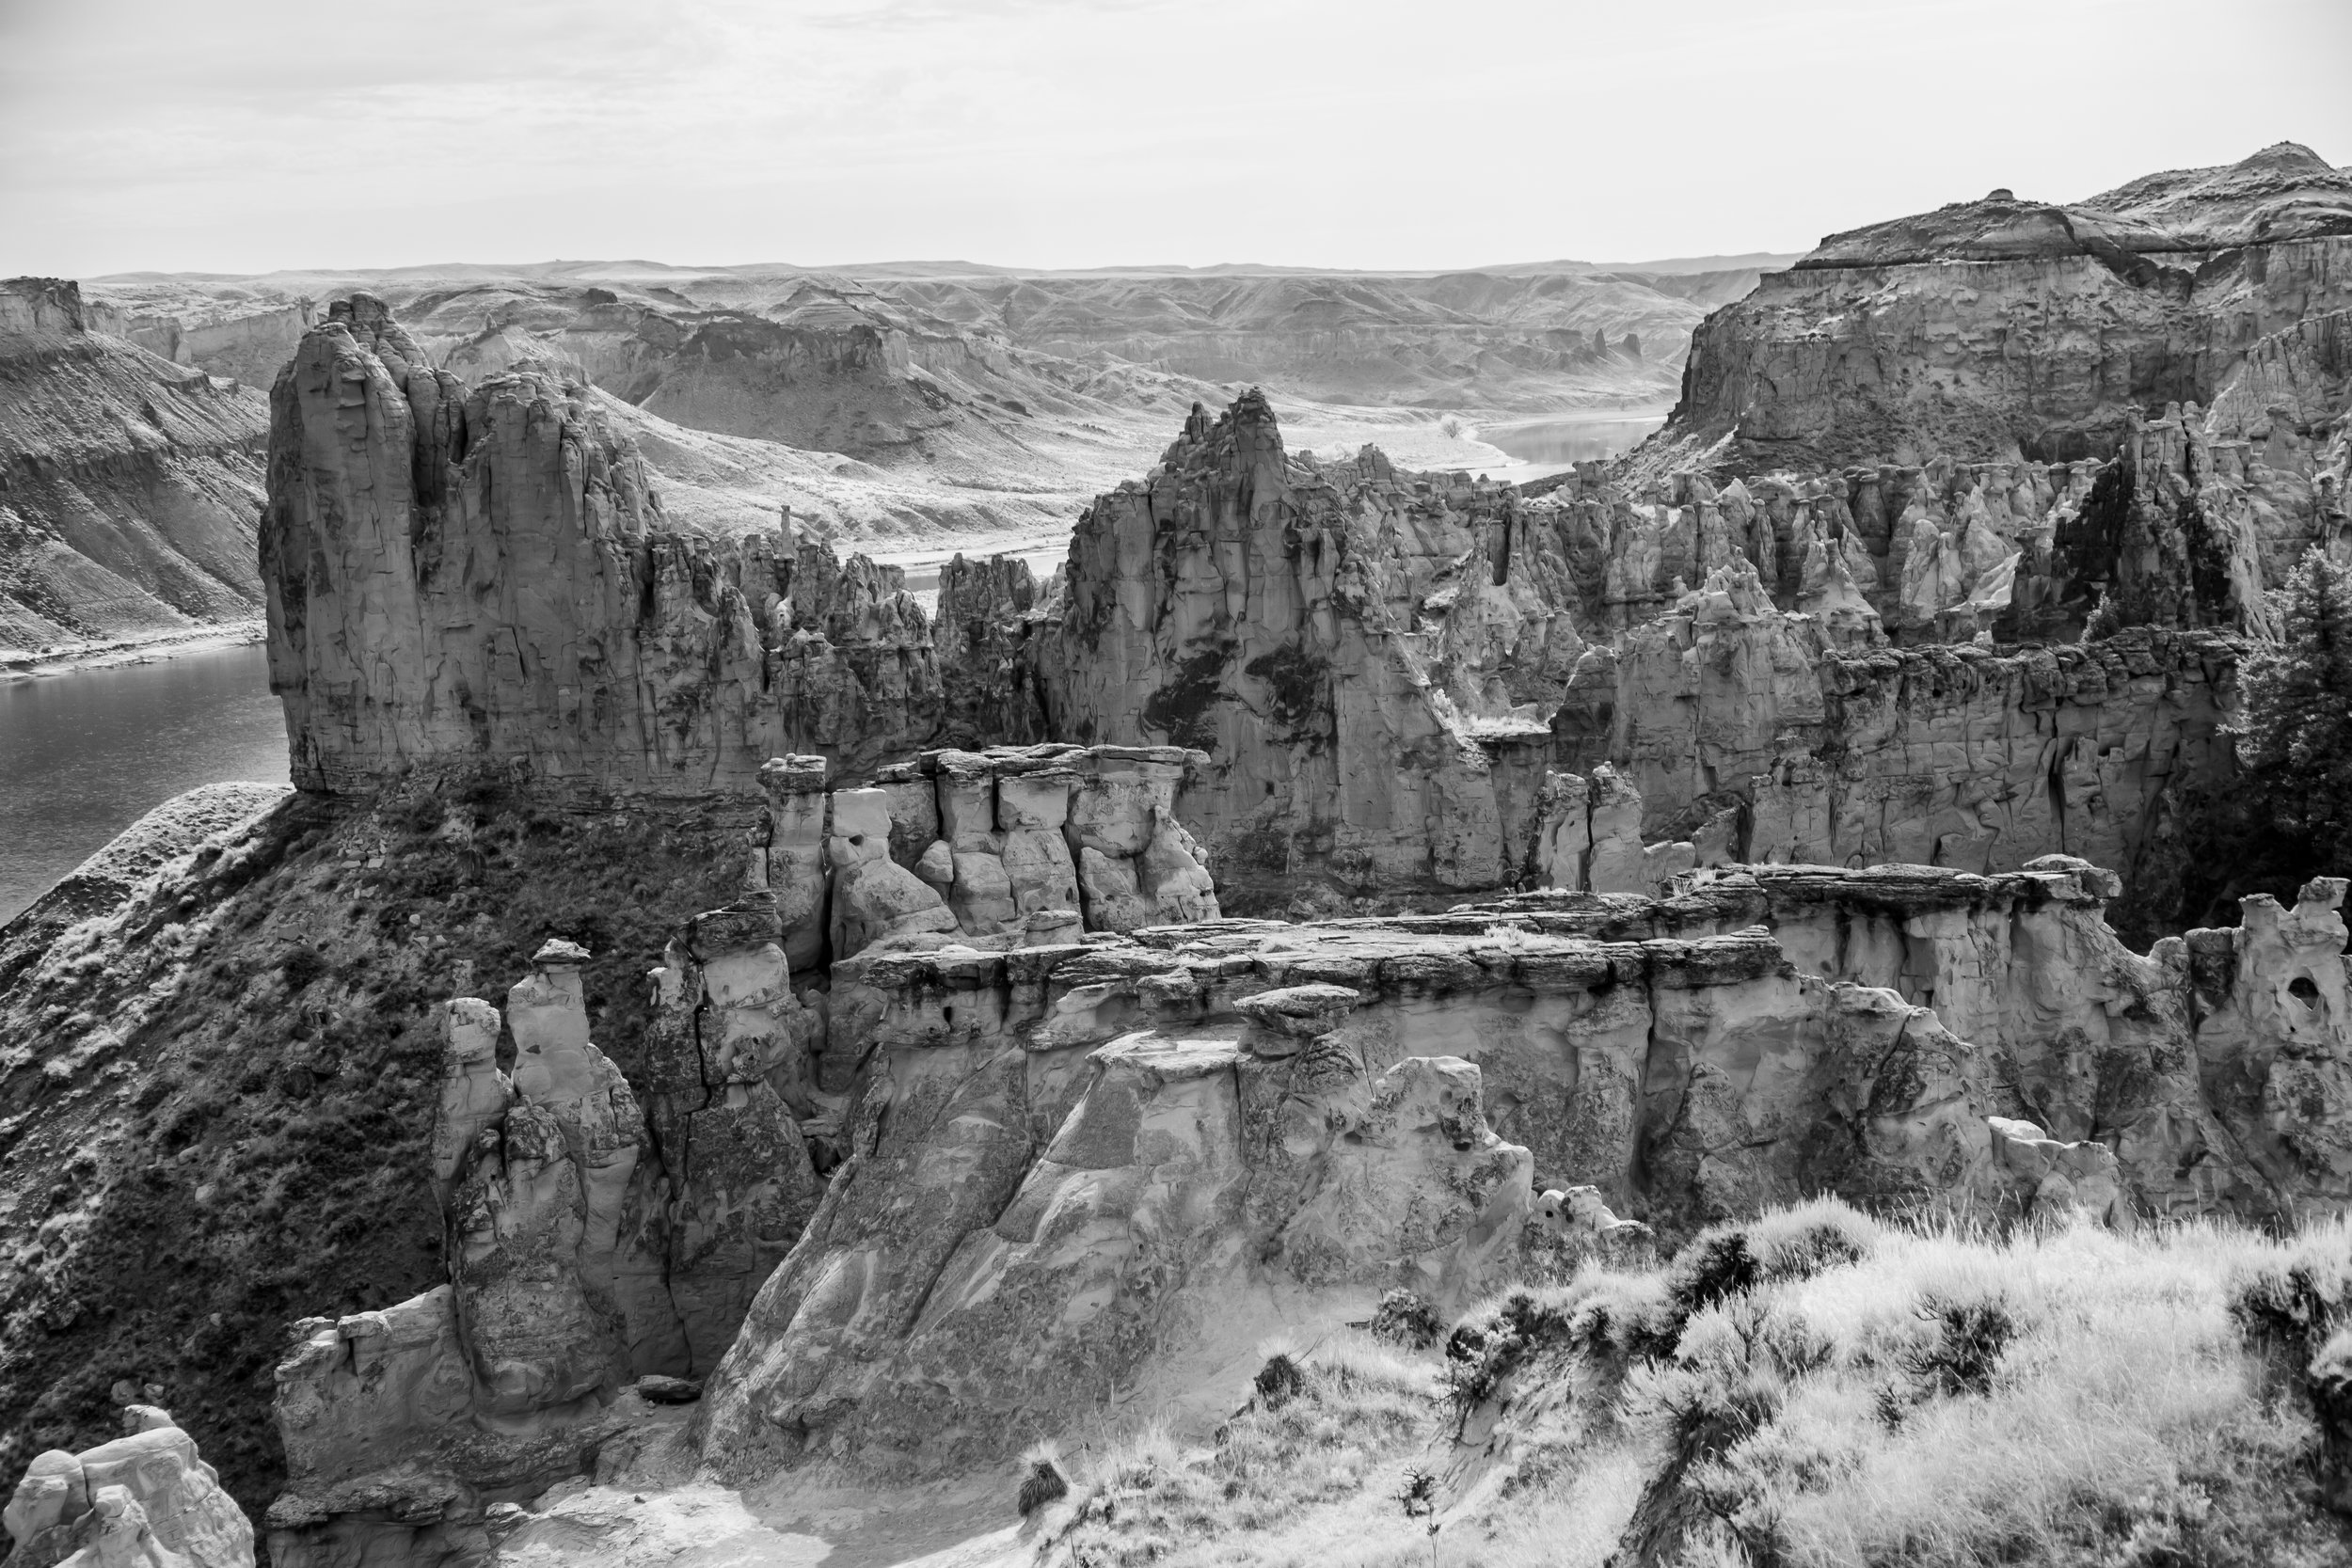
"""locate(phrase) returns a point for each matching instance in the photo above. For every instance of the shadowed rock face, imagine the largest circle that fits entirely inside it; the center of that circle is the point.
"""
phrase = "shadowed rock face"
(593, 1241)
(482, 579)
(128, 484)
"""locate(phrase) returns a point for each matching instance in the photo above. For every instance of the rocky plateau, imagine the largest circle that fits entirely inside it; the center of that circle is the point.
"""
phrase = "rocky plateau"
(707, 1024)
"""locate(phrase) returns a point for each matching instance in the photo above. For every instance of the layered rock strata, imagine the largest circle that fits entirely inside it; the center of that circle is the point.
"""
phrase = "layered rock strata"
(1029, 1219)
(2184, 522)
(1381, 679)
(602, 1232)
(1056, 1150)
(128, 485)
(1959, 756)
(482, 579)
(2209, 1067)
(1959, 331)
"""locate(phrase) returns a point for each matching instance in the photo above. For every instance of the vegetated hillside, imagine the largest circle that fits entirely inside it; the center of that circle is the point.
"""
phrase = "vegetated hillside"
(218, 1080)
(130, 487)
(1810, 1389)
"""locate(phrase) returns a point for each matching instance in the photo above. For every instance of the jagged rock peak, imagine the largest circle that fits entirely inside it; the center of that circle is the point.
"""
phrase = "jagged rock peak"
(370, 323)
(468, 577)
(1244, 434)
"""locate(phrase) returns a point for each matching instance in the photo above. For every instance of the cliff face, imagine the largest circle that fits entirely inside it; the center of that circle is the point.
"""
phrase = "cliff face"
(1062, 1155)
(1381, 668)
(483, 579)
(1963, 331)
(129, 486)
(1343, 643)
(1956, 756)
(246, 341)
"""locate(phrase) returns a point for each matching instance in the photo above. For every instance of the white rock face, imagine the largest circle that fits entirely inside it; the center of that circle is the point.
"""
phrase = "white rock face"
(145, 1500)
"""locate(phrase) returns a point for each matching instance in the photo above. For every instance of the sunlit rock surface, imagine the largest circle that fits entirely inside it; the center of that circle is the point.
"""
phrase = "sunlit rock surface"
(143, 1501)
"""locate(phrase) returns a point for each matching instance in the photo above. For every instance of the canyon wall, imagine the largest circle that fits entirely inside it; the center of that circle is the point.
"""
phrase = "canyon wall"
(1962, 331)
(1960, 756)
(1381, 668)
(128, 485)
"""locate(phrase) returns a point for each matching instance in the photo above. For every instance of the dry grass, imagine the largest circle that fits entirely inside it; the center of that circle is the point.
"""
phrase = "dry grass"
(1811, 1388)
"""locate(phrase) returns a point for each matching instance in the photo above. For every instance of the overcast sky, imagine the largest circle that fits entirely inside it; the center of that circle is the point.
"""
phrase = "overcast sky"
(242, 136)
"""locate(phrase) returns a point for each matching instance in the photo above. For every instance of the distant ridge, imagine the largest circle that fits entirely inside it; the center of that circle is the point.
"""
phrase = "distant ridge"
(639, 270)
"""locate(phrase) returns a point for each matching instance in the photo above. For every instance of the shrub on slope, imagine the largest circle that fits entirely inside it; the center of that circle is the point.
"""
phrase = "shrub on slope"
(1812, 1388)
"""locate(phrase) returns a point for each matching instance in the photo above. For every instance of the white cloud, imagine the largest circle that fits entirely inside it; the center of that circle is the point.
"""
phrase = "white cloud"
(243, 135)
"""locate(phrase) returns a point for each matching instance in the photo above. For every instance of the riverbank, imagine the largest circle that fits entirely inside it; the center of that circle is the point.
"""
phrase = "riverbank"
(67, 659)
(81, 759)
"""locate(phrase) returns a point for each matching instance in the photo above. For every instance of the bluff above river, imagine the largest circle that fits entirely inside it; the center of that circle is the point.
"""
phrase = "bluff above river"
(2007, 326)
(128, 485)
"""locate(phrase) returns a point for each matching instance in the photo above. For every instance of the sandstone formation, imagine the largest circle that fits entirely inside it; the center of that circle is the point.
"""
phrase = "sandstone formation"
(1067, 1173)
(591, 1243)
(1962, 756)
(143, 1501)
(1688, 837)
(992, 1257)
(482, 580)
(1957, 331)
(1294, 622)
(2198, 1078)
(239, 337)
(128, 484)
(605, 1239)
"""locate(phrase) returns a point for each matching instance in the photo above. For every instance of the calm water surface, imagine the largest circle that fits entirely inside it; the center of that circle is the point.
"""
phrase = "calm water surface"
(84, 756)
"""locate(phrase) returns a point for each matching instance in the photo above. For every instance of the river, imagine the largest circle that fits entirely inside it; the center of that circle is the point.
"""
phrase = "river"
(85, 753)
(1541, 447)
